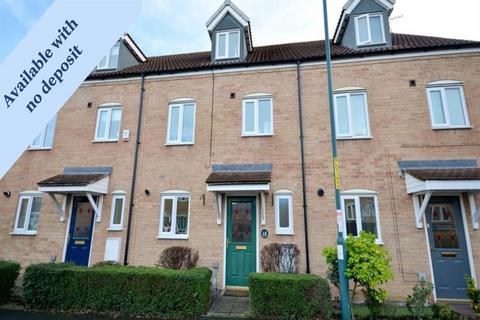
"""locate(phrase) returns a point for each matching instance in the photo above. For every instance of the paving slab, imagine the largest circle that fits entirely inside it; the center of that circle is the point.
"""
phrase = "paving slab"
(230, 307)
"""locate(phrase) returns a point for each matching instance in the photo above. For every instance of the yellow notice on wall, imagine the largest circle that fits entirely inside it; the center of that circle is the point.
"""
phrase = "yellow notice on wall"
(335, 172)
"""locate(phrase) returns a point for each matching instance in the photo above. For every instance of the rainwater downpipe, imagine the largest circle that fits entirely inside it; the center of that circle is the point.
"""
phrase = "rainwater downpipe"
(304, 192)
(134, 174)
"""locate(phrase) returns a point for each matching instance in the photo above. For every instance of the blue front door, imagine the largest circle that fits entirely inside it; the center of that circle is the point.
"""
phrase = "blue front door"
(448, 247)
(80, 232)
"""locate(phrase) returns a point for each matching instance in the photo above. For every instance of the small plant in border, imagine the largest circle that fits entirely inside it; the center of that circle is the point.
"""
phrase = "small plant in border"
(417, 301)
(473, 293)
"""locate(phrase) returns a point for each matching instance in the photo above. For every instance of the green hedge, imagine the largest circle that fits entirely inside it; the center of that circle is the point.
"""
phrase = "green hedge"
(133, 291)
(290, 296)
(8, 274)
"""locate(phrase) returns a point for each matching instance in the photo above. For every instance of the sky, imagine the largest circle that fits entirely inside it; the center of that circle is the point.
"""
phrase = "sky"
(178, 26)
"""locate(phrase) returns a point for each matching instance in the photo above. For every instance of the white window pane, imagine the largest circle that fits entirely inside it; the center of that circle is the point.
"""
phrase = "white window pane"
(437, 107)
(342, 116)
(114, 56)
(362, 29)
(182, 215)
(102, 124)
(359, 116)
(167, 215)
(376, 29)
(117, 213)
(284, 217)
(49, 132)
(174, 122)
(23, 213)
(367, 212)
(455, 107)
(115, 124)
(34, 214)
(188, 115)
(222, 43)
(249, 116)
(102, 63)
(233, 44)
(265, 116)
(37, 141)
(350, 217)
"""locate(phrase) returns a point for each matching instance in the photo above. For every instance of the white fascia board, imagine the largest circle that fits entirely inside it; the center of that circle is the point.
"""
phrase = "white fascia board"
(222, 14)
(238, 187)
(349, 7)
(99, 187)
(418, 186)
(134, 47)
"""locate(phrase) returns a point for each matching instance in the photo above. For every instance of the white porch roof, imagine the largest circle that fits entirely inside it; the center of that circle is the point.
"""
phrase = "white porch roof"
(442, 180)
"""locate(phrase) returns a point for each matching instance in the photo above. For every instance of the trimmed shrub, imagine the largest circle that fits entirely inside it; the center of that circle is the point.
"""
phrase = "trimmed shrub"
(132, 291)
(9, 271)
(289, 296)
(178, 258)
(280, 257)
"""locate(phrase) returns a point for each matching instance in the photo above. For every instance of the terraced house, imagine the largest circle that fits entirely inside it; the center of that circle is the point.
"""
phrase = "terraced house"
(228, 150)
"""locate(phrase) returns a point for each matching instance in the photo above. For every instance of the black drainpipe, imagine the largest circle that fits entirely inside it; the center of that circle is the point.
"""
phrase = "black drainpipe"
(134, 175)
(304, 192)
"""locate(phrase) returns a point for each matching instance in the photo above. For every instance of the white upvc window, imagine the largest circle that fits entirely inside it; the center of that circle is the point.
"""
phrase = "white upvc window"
(181, 123)
(110, 60)
(369, 29)
(360, 213)
(227, 44)
(448, 108)
(284, 212)
(108, 123)
(351, 115)
(257, 119)
(174, 215)
(45, 139)
(118, 210)
(28, 213)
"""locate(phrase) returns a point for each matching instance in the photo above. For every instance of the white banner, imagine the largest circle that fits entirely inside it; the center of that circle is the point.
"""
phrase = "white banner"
(51, 62)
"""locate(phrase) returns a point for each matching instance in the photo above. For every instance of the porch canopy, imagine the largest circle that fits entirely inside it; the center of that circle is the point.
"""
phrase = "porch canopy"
(78, 182)
(422, 183)
(239, 180)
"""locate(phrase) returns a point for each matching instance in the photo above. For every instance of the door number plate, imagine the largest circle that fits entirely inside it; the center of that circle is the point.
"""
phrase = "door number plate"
(79, 242)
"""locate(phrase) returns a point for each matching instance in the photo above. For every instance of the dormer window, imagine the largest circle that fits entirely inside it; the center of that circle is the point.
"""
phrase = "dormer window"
(228, 44)
(369, 29)
(110, 61)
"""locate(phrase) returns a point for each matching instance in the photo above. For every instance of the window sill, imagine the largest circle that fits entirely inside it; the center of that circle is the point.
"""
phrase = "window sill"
(249, 135)
(39, 148)
(355, 138)
(170, 237)
(284, 233)
(452, 128)
(106, 141)
(171, 144)
(22, 233)
(115, 229)
(371, 44)
(227, 58)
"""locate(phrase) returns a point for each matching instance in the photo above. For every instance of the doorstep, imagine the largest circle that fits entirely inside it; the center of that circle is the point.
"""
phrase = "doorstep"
(230, 307)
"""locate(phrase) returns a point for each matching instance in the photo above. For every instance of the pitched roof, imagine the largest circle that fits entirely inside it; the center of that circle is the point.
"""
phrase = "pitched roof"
(239, 177)
(283, 53)
(72, 179)
(446, 174)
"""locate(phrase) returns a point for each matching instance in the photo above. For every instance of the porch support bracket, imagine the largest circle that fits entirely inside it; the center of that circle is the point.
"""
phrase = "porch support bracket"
(473, 210)
(263, 219)
(96, 209)
(420, 209)
(218, 202)
(60, 208)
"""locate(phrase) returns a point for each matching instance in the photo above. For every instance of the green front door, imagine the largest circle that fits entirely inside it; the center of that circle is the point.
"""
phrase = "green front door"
(241, 240)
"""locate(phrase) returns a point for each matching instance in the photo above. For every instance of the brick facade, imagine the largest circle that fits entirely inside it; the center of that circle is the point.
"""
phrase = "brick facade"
(400, 128)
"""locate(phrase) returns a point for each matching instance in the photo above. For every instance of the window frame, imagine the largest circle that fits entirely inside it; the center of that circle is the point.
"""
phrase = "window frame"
(43, 134)
(112, 226)
(108, 57)
(369, 30)
(256, 100)
(356, 195)
(174, 197)
(227, 44)
(442, 88)
(109, 109)
(181, 104)
(30, 196)
(289, 231)
(348, 95)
